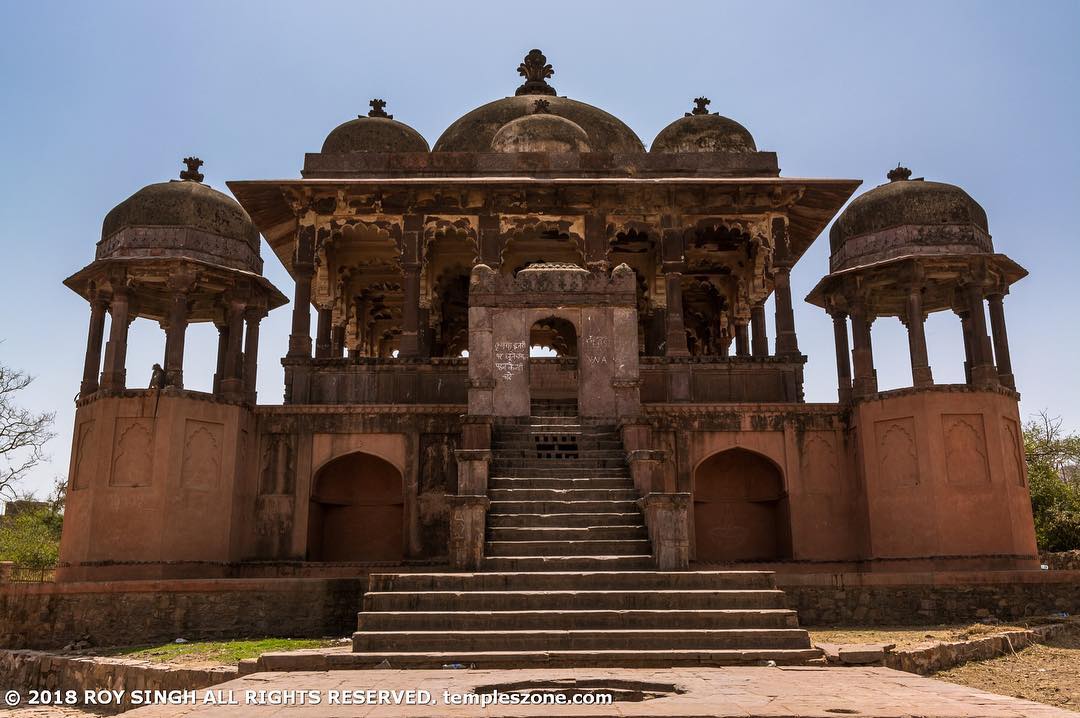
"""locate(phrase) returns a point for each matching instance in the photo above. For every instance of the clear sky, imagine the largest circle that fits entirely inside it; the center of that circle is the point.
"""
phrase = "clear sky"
(99, 99)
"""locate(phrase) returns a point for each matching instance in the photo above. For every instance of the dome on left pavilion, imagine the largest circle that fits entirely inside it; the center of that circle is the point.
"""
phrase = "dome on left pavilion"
(378, 132)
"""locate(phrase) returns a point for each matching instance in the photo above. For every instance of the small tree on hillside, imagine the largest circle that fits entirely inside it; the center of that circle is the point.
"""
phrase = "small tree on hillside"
(23, 433)
(1053, 460)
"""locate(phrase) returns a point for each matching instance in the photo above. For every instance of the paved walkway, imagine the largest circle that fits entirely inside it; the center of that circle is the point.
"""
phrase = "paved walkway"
(807, 692)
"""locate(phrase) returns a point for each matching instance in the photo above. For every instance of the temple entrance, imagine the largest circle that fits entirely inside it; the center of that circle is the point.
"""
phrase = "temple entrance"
(553, 360)
(357, 511)
(740, 509)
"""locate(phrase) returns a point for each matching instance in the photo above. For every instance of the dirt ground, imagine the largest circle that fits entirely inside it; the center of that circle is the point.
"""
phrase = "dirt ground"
(908, 636)
(1047, 673)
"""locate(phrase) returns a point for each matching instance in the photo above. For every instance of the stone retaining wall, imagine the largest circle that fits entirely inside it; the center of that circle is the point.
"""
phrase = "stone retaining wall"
(123, 613)
(1061, 560)
(34, 670)
(898, 599)
(943, 656)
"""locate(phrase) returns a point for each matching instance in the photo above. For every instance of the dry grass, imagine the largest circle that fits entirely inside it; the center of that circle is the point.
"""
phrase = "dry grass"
(908, 636)
(206, 654)
(1047, 673)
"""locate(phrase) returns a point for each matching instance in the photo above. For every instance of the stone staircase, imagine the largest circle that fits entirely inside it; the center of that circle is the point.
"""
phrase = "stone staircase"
(568, 576)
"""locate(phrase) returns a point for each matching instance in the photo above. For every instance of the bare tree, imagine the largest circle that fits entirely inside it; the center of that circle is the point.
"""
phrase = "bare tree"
(23, 433)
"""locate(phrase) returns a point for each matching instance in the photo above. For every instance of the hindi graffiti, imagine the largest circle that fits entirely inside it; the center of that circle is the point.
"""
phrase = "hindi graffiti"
(510, 358)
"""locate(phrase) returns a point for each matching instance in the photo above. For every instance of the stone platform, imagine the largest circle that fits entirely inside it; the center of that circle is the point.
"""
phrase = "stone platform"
(807, 692)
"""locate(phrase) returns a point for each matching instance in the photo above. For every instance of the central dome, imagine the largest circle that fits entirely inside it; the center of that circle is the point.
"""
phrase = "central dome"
(541, 132)
(476, 130)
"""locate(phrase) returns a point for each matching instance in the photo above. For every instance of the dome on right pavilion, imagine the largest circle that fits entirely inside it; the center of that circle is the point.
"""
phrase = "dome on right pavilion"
(703, 131)
(907, 217)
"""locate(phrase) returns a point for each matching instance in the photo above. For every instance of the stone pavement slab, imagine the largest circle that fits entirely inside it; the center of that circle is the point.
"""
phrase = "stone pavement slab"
(737, 692)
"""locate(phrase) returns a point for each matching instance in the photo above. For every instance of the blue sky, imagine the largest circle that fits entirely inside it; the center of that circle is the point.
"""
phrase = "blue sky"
(101, 98)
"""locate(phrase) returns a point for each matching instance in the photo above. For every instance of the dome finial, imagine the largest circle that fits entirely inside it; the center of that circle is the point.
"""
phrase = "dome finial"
(898, 173)
(535, 69)
(192, 172)
(701, 105)
(378, 109)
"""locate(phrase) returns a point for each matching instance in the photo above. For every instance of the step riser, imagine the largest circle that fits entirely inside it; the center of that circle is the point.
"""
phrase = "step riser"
(568, 659)
(549, 483)
(594, 533)
(569, 563)
(580, 641)
(622, 473)
(572, 620)
(564, 520)
(508, 462)
(606, 581)
(503, 601)
(562, 507)
(566, 548)
(542, 495)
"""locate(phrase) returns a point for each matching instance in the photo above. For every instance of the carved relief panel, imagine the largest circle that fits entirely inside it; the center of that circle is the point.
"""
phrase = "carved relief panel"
(965, 449)
(1013, 451)
(133, 452)
(84, 442)
(819, 465)
(201, 467)
(898, 455)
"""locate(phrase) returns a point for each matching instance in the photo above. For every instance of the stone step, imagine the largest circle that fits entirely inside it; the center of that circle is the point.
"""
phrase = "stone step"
(610, 482)
(569, 563)
(531, 494)
(564, 520)
(601, 547)
(587, 640)
(500, 462)
(554, 429)
(623, 600)
(585, 533)
(644, 658)
(574, 620)
(571, 473)
(561, 507)
(553, 581)
(531, 453)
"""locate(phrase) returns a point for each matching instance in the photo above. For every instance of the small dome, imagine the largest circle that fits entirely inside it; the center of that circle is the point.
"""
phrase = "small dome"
(702, 131)
(541, 132)
(155, 212)
(474, 131)
(378, 132)
(905, 217)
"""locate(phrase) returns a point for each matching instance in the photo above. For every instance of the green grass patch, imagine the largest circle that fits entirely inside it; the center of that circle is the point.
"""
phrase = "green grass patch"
(218, 652)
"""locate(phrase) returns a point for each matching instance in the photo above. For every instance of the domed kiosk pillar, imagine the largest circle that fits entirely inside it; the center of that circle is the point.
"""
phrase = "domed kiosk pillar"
(99, 305)
(114, 376)
(1001, 338)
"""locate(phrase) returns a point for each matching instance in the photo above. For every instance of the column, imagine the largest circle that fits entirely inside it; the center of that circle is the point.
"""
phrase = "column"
(303, 270)
(114, 376)
(1001, 339)
(786, 340)
(760, 346)
(843, 361)
(965, 328)
(322, 331)
(742, 338)
(175, 331)
(921, 376)
(337, 341)
(252, 317)
(410, 312)
(983, 372)
(95, 336)
(676, 331)
(232, 384)
(222, 348)
(862, 353)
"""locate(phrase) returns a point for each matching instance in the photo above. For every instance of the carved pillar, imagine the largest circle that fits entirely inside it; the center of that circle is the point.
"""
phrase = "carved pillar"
(742, 338)
(965, 328)
(322, 331)
(843, 362)
(303, 271)
(337, 341)
(786, 340)
(1001, 339)
(862, 353)
(114, 376)
(760, 347)
(676, 330)
(252, 317)
(232, 383)
(410, 312)
(983, 372)
(921, 375)
(175, 332)
(96, 334)
(222, 348)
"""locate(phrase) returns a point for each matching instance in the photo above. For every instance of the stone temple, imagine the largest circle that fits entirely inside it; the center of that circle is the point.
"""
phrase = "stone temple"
(627, 493)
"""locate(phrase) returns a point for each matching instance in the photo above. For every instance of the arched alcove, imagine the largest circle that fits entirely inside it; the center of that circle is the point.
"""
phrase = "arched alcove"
(357, 511)
(553, 352)
(740, 509)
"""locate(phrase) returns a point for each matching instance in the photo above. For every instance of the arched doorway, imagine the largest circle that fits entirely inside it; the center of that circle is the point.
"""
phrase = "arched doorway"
(553, 360)
(740, 509)
(357, 510)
